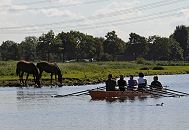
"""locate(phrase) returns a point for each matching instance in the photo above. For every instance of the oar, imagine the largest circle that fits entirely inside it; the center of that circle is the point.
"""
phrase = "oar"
(152, 93)
(77, 93)
(146, 90)
(152, 88)
(176, 91)
(166, 92)
(87, 93)
(169, 93)
(157, 93)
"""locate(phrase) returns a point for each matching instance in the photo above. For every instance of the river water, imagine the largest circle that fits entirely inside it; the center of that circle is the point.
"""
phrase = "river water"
(35, 109)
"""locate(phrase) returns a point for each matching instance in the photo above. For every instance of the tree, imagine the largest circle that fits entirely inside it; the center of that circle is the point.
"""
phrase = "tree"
(84, 45)
(68, 45)
(176, 50)
(99, 47)
(9, 50)
(28, 48)
(181, 36)
(162, 48)
(113, 45)
(43, 46)
(137, 47)
(87, 47)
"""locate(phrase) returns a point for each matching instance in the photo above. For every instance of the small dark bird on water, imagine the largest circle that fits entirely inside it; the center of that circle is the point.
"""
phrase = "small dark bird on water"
(160, 104)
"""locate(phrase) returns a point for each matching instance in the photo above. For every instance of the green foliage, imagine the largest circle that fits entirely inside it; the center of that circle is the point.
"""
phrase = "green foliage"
(7, 68)
(95, 71)
(144, 68)
(113, 45)
(143, 61)
(172, 63)
(27, 48)
(43, 47)
(140, 61)
(162, 48)
(158, 68)
(106, 57)
(137, 46)
(181, 36)
(78, 46)
(9, 51)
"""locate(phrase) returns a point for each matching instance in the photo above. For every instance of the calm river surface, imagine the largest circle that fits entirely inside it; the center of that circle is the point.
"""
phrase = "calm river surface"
(34, 109)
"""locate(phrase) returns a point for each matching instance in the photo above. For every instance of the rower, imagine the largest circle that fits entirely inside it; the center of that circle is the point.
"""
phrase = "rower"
(141, 82)
(121, 83)
(131, 83)
(110, 83)
(156, 84)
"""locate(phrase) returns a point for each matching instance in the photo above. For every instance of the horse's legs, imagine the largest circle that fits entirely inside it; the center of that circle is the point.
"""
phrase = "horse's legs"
(51, 77)
(21, 77)
(34, 78)
(26, 78)
(55, 77)
(40, 73)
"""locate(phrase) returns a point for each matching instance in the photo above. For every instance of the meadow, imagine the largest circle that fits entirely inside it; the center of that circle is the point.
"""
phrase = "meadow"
(78, 73)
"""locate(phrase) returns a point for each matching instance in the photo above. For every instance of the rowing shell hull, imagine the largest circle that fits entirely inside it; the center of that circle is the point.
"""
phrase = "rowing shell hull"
(116, 94)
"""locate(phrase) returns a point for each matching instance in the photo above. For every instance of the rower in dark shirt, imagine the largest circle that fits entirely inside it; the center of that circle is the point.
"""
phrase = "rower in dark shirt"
(122, 83)
(156, 84)
(110, 83)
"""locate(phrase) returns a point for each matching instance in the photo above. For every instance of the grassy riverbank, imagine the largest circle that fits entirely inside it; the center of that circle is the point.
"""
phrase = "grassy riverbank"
(95, 72)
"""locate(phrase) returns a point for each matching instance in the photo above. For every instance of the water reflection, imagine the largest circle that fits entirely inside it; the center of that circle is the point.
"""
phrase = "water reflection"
(125, 99)
(35, 93)
(22, 108)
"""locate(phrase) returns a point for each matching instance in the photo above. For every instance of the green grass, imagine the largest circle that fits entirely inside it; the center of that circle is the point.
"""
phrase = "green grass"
(98, 71)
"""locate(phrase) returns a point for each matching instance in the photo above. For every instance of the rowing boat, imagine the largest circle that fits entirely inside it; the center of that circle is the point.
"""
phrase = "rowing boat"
(99, 94)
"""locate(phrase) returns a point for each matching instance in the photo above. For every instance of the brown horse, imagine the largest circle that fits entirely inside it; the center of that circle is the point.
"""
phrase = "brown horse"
(29, 68)
(50, 68)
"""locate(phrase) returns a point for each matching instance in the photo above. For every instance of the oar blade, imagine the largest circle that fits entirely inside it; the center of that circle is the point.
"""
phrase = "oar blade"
(84, 92)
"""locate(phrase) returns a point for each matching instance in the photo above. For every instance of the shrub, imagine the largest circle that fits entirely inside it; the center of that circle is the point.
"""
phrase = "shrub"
(144, 68)
(158, 68)
(140, 60)
(143, 61)
(106, 57)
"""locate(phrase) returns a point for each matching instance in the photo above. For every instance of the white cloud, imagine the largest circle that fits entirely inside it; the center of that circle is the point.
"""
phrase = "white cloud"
(67, 2)
(115, 6)
(17, 8)
(181, 18)
(5, 2)
(185, 13)
(56, 12)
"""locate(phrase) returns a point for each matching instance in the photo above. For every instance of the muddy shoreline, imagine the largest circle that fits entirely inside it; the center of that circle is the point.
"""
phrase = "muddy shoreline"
(46, 82)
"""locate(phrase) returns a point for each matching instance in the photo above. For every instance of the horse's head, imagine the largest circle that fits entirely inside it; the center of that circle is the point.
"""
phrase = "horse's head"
(58, 72)
(37, 76)
(37, 65)
(60, 78)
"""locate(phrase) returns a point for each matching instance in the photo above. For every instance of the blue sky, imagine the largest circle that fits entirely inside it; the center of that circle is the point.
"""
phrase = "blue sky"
(21, 18)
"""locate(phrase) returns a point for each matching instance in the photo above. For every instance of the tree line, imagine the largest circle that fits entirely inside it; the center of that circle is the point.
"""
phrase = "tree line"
(75, 45)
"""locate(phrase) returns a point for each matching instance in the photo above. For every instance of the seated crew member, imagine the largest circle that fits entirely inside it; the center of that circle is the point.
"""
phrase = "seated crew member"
(110, 83)
(121, 83)
(156, 84)
(141, 82)
(131, 83)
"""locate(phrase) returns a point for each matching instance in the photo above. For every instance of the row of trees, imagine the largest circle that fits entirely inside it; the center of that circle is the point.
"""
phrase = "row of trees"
(76, 45)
